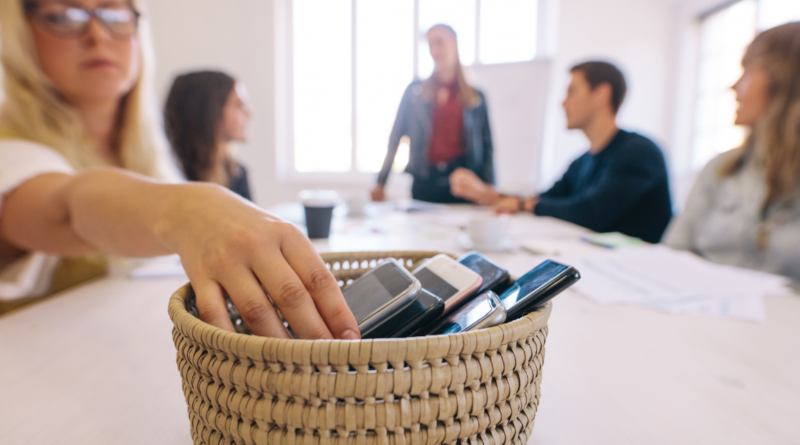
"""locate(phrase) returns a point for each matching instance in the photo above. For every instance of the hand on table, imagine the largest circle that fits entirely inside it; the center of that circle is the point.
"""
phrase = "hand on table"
(514, 204)
(378, 193)
(507, 205)
(231, 248)
(466, 184)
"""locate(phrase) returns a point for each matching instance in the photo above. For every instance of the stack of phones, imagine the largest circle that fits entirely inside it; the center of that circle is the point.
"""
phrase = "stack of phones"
(446, 296)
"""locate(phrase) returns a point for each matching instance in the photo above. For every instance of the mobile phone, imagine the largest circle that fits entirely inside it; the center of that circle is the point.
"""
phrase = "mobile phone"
(483, 311)
(449, 280)
(494, 276)
(537, 287)
(380, 293)
(425, 309)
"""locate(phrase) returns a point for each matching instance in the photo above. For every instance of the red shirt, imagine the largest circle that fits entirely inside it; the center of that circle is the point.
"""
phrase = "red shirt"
(448, 126)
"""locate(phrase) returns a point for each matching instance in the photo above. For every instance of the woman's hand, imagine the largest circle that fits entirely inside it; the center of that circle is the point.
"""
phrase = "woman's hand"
(228, 246)
(507, 205)
(378, 193)
(231, 248)
(466, 184)
(514, 204)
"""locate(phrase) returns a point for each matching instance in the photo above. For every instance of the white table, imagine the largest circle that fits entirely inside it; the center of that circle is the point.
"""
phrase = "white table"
(96, 365)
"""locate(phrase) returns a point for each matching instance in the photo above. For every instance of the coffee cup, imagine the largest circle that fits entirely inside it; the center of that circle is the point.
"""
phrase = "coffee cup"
(488, 231)
(318, 205)
(356, 202)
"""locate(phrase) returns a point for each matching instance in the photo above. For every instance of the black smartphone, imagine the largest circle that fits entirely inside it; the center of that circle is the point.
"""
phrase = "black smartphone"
(380, 293)
(425, 309)
(495, 278)
(537, 287)
(483, 311)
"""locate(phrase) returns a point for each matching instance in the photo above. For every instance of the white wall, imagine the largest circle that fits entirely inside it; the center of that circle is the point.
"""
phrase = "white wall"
(237, 37)
(516, 96)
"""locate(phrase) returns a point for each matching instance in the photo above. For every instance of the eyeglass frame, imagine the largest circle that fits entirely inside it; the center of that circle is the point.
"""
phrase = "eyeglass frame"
(32, 7)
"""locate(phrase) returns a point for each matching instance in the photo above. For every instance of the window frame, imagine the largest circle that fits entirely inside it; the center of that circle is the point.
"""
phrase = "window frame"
(697, 72)
(284, 88)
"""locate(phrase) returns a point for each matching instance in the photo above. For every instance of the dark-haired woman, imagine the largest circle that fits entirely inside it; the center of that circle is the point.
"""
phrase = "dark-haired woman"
(447, 123)
(205, 112)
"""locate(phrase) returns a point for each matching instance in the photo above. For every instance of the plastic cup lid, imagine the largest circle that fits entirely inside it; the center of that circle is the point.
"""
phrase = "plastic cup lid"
(319, 198)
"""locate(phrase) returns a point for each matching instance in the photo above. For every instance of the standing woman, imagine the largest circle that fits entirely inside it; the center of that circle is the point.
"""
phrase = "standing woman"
(447, 123)
(82, 167)
(204, 113)
(744, 209)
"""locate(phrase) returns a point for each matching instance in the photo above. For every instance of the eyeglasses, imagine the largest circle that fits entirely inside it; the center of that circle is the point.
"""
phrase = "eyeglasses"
(71, 21)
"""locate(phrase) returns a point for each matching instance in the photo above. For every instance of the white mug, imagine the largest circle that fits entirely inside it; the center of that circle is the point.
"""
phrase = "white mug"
(488, 230)
(356, 202)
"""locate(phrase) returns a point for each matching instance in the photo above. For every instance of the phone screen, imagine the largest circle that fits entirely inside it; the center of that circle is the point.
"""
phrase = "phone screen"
(373, 290)
(435, 284)
(491, 273)
(531, 281)
(466, 317)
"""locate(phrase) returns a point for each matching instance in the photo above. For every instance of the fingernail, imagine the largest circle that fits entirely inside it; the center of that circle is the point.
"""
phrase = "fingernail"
(350, 334)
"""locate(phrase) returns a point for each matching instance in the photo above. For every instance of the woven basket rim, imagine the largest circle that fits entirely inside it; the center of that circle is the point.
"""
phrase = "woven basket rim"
(274, 349)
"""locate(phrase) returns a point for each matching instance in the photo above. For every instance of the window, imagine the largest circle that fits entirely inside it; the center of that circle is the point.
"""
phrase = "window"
(353, 59)
(725, 35)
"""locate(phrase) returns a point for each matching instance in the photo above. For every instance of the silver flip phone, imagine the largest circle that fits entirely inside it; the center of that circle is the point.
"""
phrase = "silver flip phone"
(380, 293)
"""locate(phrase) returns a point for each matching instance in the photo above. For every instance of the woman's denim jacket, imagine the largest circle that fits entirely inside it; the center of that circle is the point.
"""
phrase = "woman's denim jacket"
(415, 120)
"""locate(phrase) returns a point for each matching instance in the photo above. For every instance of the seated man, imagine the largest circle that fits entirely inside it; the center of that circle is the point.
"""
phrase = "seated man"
(619, 185)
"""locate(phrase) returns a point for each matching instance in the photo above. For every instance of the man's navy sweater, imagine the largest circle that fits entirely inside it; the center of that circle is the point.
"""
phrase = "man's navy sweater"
(623, 188)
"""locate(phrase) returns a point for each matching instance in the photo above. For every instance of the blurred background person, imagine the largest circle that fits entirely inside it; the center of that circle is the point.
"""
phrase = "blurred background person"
(447, 123)
(744, 209)
(83, 171)
(619, 185)
(205, 112)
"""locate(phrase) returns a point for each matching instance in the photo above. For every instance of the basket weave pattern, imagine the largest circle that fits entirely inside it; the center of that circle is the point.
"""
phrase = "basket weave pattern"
(481, 387)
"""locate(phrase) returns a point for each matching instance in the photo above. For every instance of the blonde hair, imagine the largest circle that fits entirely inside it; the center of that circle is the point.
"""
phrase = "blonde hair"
(469, 96)
(34, 110)
(775, 140)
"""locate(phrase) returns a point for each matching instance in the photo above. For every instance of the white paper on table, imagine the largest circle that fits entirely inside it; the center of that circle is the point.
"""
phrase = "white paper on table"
(159, 267)
(677, 282)
(561, 247)
(413, 205)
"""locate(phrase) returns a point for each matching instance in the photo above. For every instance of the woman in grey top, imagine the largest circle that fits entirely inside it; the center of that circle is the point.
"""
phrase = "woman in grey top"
(744, 209)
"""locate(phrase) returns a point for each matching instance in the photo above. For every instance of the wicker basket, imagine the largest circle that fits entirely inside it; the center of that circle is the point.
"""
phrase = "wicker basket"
(481, 386)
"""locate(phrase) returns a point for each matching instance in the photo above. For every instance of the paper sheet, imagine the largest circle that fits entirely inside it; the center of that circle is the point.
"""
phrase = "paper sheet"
(676, 282)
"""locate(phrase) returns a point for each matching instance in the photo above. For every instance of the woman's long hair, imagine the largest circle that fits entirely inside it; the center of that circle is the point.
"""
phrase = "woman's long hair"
(775, 140)
(34, 110)
(192, 117)
(468, 95)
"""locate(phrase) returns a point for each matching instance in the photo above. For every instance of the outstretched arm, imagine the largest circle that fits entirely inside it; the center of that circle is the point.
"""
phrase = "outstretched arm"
(399, 129)
(487, 174)
(228, 246)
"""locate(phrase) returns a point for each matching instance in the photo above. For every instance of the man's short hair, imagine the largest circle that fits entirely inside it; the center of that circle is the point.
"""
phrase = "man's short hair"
(603, 72)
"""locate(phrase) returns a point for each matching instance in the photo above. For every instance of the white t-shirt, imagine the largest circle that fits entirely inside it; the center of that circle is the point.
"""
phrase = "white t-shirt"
(20, 160)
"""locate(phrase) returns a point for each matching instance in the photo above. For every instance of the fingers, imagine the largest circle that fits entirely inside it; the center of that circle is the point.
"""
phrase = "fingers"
(378, 194)
(504, 211)
(293, 300)
(253, 305)
(322, 287)
(457, 186)
(507, 206)
(211, 306)
(466, 184)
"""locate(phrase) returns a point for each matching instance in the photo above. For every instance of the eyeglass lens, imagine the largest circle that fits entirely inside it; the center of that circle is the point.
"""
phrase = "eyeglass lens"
(70, 20)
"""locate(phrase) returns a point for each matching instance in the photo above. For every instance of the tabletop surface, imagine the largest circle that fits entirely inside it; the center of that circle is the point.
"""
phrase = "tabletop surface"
(96, 365)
